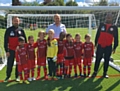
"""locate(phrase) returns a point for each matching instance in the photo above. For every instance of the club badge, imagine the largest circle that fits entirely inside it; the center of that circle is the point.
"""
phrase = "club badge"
(12, 33)
(19, 32)
(111, 29)
(103, 28)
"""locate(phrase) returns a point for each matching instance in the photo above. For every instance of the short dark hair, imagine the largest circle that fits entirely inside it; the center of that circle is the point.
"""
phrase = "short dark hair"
(20, 39)
(29, 37)
(62, 35)
(68, 35)
(77, 35)
(87, 35)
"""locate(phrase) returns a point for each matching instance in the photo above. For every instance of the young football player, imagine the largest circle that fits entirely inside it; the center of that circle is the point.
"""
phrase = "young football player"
(78, 46)
(21, 60)
(31, 57)
(52, 50)
(68, 55)
(60, 55)
(41, 45)
(88, 53)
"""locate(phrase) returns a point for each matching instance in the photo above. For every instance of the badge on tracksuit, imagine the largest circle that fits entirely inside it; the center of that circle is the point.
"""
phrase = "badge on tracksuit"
(12, 33)
(103, 28)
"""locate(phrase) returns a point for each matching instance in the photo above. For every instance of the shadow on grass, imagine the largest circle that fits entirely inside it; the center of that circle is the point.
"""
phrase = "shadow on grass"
(72, 84)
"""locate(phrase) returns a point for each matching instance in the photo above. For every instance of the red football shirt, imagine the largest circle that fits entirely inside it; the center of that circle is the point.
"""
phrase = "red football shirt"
(30, 51)
(69, 49)
(78, 46)
(21, 56)
(88, 50)
(42, 48)
(61, 45)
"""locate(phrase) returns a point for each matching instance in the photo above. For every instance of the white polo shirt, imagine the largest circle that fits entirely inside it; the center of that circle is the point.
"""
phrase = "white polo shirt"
(57, 29)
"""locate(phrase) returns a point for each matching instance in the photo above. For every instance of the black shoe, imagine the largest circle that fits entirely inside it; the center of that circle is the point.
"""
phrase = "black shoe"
(69, 76)
(81, 75)
(105, 76)
(65, 76)
(94, 74)
(84, 75)
(75, 75)
(6, 79)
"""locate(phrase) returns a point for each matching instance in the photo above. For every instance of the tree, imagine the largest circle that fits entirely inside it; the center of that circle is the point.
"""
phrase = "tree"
(16, 2)
(71, 3)
(113, 4)
(103, 3)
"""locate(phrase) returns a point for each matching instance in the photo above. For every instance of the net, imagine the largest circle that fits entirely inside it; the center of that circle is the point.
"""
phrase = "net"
(81, 20)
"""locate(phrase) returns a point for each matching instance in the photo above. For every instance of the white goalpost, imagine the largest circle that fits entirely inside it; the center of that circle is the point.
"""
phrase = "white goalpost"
(76, 18)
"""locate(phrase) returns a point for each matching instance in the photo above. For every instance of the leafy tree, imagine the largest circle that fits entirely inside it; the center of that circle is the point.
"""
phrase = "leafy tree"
(71, 3)
(103, 3)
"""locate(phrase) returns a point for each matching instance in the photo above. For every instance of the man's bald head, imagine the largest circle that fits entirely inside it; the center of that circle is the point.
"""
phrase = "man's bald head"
(57, 19)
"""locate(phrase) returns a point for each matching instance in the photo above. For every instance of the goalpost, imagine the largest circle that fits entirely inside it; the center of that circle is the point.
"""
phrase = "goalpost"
(77, 19)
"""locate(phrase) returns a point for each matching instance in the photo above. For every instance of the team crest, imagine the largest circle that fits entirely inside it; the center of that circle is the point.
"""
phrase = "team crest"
(103, 28)
(111, 29)
(19, 32)
(12, 33)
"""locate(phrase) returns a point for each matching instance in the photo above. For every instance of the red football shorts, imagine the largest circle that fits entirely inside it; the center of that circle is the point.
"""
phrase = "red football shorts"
(87, 61)
(77, 61)
(60, 58)
(22, 67)
(41, 61)
(68, 62)
(31, 64)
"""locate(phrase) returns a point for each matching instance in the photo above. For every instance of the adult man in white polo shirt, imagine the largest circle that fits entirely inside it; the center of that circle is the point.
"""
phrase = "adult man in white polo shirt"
(57, 26)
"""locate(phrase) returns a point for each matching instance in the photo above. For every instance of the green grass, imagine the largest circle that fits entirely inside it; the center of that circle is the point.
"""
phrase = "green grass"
(72, 84)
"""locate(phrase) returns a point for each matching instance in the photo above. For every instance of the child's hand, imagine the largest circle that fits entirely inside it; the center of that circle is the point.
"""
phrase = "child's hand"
(54, 59)
(17, 48)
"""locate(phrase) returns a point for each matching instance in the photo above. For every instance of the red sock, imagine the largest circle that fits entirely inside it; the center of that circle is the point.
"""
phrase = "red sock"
(32, 72)
(89, 69)
(20, 74)
(80, 68)
(70, 69)
(25, 74)
(75, 69)
(61, 71)
(84, 69)
(38, 71)
(45, 71)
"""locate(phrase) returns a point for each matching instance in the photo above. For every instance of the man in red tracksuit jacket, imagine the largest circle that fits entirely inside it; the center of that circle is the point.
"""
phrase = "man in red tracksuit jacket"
(106, 34)
(10, 43)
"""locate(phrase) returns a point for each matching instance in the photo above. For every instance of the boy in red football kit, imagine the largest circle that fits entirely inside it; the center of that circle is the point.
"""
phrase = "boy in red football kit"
(88, 53)
(21, 59)
(60, 55)
(69, 56)
(78, 46)
(41, 45)
(31, 57)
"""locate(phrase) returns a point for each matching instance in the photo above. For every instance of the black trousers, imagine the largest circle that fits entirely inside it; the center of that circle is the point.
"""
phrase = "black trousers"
(51, 67)
(10, 63)
(103, 53)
